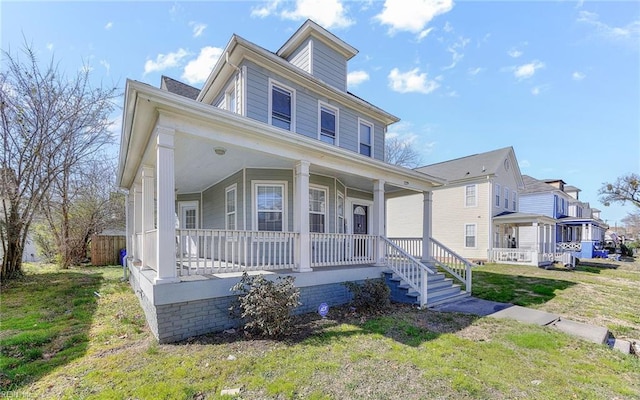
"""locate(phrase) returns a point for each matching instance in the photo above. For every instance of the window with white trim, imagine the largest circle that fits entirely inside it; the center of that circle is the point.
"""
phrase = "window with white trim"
(506, 197)
(513, 200)
(497, 191)
(231, 98)
(231, 222)
(470, 235)
(270, 203)
(281, 106)
(328, 121)
(365, 137)
(340, 213)
(470, 199)
(317, 209)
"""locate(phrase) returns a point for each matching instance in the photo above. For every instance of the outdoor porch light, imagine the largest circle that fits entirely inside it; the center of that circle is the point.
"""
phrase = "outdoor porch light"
(220, 151)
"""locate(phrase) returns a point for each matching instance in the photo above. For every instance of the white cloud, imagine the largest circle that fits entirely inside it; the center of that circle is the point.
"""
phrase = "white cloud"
(578, 76)
(447, 27)
(526, 71)
(197, 27)
(198, 70)
(411, 15)
(267, 9)
(50, 46)
(164, 61)
(536, 90)
(514, 53)
(524, 164)
(424, 34)
(327, 13)
(475, 71)
(629, 31)
(455, 55)
(106, 65)
(411, 81)
(355, 78)
(109, 25)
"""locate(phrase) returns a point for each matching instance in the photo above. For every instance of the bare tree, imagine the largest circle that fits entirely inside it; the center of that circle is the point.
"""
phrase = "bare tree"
(625, 188)
(401, 152)
(631, 223)
(50, 123)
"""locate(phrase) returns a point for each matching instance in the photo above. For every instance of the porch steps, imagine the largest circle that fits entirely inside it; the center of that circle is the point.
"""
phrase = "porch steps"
(441, 290)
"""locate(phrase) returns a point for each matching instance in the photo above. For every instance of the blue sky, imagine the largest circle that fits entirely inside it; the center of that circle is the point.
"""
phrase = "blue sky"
(557, 80)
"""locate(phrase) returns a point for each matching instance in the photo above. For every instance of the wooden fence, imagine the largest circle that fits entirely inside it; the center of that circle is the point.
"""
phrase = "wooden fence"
(105, 250)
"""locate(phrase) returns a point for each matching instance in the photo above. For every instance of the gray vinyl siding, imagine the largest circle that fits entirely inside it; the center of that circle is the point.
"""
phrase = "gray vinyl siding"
(330, 216)
(213, 199)
(538, 203)
(329, 66)
(359, 194)
(268, 175)
(301, 57)
(378, 142)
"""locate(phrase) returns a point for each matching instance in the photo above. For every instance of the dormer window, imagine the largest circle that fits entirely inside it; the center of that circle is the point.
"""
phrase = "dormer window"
(328, 124)
(281, 106)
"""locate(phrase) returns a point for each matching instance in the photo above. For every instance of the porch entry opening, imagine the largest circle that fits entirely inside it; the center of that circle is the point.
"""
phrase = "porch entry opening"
(360, 219)
(188, 220)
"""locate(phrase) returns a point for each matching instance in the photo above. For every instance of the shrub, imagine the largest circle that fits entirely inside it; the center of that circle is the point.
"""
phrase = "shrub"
(266, 306)
(370, 296)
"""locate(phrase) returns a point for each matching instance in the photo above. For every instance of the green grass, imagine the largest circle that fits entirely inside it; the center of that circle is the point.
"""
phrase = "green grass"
(103, 349)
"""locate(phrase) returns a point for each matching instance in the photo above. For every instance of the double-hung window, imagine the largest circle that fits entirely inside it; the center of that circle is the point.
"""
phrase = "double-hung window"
(340, 212)
(497, 191)
(281, 107)
(328, 124)
(365, 134)
(317, 209)
(231, 207)
(513, 200)
(470, 235)
(506, 198)
(470, 199)
(270, 206)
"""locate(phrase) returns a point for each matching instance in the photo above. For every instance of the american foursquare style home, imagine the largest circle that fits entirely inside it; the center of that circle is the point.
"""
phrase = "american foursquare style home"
(272, 167)
(488, 211)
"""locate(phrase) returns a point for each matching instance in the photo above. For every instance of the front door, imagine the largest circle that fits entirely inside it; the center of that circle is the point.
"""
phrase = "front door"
(189, 220)
(360, 220)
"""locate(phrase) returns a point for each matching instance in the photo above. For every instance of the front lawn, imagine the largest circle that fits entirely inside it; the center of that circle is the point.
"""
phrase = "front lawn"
(81, 333)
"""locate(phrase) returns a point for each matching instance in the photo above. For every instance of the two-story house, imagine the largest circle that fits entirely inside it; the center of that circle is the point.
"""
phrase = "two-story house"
(477, 212)
(271, 167)
(577, 227)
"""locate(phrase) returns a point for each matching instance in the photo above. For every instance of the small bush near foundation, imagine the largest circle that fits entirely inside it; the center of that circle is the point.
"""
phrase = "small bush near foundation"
(266, 306)
(370, 296)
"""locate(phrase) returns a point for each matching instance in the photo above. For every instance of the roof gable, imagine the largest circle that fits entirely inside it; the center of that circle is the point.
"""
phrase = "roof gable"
(310, 28)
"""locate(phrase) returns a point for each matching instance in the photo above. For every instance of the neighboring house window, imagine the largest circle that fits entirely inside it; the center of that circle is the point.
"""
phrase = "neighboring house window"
(340, 213)
(365, 134)
(317, 209)
(497, 195)
(270, 206)
(470, 196)
(230, 98)
(328, 123)
(506, 197)
(231, 207)
(470, 235)
(281, 106)
(513, 200)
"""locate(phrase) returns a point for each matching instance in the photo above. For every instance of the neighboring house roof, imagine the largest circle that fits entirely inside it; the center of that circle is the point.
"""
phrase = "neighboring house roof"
(473, 166)
(178, 87)
(533, 185)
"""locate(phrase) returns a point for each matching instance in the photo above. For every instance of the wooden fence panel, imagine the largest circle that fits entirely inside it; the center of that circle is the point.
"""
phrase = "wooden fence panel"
(105, 250)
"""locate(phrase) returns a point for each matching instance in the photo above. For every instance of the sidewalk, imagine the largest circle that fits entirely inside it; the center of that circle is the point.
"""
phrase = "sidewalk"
(592, 333)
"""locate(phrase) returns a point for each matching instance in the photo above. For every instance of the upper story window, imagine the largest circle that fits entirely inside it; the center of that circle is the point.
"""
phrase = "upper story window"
(513, 200)
(317, 209)
(270, 203)
(506, 197)
(365, 134)
(281, 106)
(230, 208)
(470, 196)
(497, 191)
(231, 98)
(328, 123)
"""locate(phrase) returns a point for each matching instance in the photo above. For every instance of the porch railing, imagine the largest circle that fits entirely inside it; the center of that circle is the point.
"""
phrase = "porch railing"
(445, 258)
(329, 249)
(205, 251)
(506, 255)
(408, 268)
(150, 245)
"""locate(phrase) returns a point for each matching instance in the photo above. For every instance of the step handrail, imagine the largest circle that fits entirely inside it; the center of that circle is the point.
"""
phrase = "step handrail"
(458, 266)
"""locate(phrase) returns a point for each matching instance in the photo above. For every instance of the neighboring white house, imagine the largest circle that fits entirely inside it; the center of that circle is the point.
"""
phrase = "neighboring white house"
(274, 167)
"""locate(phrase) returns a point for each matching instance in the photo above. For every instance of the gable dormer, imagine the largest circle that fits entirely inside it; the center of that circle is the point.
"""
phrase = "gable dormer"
(320, 53)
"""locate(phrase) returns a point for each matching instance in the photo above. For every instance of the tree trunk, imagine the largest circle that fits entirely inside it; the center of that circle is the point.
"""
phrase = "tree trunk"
(12, 258)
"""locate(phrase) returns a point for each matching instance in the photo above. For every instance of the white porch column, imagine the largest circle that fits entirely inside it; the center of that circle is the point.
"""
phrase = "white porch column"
(301, 217)
(129, 212)
(147, 211)
(378, 220)
(427, 207)
(137, 221)
(166, 246)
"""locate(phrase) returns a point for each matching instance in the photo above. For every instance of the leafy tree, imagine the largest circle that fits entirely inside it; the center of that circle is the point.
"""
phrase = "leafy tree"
(398, 151)
(50, 124)
(625, 188)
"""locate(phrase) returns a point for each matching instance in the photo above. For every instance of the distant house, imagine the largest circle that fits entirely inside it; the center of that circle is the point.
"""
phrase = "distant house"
(477, 212)
(272, 167)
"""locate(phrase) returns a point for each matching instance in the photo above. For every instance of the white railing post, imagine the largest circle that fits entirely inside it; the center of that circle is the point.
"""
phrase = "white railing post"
(378, 221)
(427, 209)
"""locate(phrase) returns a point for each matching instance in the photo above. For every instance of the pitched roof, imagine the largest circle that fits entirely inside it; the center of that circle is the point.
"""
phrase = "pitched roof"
(533, 185)
(178, 87)
(473, 166)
